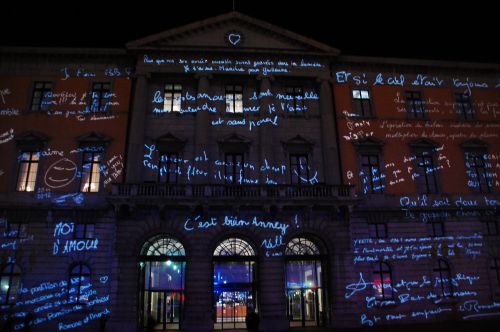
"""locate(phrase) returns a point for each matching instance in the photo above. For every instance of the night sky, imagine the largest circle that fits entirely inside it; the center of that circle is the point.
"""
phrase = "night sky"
(415, 29)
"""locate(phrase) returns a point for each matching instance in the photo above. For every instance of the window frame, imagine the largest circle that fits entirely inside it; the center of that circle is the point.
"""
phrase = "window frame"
(447, 270)
(35, 107)
(381, 273)
(233, 90)
(361, 112)
(235, 174)
(411, 103)
(174, 93)
(91, 163)
(421, 157)
(168, 163)
(30, 163)
(299, 175)
(78, 275)
(15, 272)
(101, 98)
(478, 154)
(460, 102)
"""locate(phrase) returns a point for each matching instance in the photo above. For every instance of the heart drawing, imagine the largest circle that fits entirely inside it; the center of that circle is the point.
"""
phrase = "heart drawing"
(103, 280)
(234, 38)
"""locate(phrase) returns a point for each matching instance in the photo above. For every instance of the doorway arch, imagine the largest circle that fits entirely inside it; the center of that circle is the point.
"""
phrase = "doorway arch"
(162, 266)
(234, 282)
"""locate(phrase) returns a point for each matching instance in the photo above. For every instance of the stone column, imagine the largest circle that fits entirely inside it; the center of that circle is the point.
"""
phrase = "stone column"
(199, 287)
(272, 300)
(266, 130)
(136, 133)
(202, 128)
(331, 162)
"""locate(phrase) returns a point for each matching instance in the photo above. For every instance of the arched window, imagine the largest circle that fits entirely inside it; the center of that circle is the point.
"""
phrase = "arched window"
(162, 265)
(9, 283)
(234, 247)
(304, 283)
(382, 281)
(234, 276)
(301, 246)
(79, 281)
(442, 278)
(163, 246)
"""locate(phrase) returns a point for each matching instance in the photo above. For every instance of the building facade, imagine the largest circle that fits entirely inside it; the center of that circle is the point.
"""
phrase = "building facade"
(230, 169)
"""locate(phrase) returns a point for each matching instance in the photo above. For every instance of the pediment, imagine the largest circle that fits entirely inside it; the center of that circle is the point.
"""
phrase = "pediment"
(232, 31)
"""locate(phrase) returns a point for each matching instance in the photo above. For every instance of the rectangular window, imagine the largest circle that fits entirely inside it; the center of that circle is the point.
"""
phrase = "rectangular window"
(361, 102)
(299, 169)
(42, 96)
(168, 167)
(378, 230)
(426, 176)
(480, 178)
(437, 228)
(491, 227)
(371, 176)
(172, 97)
(414, 105)
(28, 167)
(463, 107)
(91, 171)
(234, 99)
(84, 231)
(234, 171)
(99, 98)
(297, 99)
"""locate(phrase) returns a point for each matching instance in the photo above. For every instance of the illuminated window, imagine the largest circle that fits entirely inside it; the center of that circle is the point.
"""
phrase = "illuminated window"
(91, 171)
(234, 99)
(478, 172)
(162, 268)
(99, 98)
(495, 267)
(10, 280)
(167, 168)
(414, 105)
(463, 107)
(172, 97)
(371, 175)
(28, 167)
(300, 246)
(382, 281)
(84, 231)
(163, 246)
(426, 173)
(361, 102)
(16, 230)
(234, 247)
(79, 283)
(304, 283)
(299, 169)
(297, 95)
(442, 279)
(378, 230)
(234, 276)
(42, 96)
(233, 168)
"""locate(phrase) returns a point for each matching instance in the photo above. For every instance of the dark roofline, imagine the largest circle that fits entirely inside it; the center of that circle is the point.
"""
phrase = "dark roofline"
(137, 44)
(417, 62)
(62, 50)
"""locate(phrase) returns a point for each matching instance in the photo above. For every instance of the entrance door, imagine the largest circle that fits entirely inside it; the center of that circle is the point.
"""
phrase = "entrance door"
(303, 307)
(231, 309)
(165, 309)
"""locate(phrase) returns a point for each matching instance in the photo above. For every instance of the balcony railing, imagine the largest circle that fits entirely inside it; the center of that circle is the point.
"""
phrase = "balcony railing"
(218, 191)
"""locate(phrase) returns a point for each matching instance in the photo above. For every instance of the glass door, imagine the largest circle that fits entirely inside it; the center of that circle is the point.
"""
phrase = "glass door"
(231, 309)
(303, 307)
